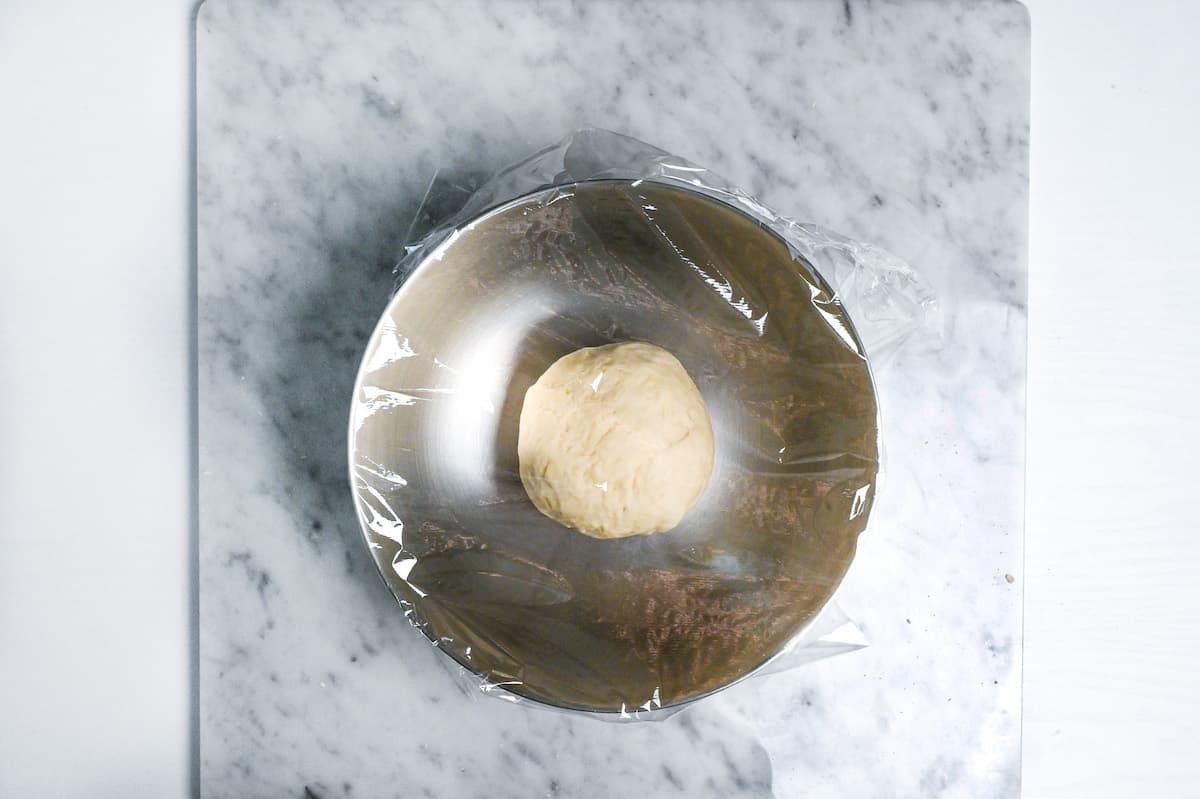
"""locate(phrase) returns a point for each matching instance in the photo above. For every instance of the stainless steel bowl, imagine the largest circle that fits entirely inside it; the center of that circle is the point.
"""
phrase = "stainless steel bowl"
(548, 613)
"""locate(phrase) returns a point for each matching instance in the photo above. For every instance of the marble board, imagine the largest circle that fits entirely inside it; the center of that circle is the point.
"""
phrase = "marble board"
(318, 128)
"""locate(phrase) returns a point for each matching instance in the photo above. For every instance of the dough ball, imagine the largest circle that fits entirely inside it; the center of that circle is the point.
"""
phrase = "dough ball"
(615, 441)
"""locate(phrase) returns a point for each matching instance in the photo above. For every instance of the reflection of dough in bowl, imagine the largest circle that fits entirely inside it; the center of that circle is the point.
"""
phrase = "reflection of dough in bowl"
(644, 620)
(615, 441)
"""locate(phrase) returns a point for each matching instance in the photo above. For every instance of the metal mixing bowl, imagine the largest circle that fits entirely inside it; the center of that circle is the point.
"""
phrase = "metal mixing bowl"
(648, 621)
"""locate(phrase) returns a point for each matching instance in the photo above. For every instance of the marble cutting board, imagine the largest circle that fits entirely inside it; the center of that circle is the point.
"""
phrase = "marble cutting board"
(319, 126)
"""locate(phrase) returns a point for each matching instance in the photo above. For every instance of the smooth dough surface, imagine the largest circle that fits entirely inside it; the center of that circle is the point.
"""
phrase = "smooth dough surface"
(615, 441)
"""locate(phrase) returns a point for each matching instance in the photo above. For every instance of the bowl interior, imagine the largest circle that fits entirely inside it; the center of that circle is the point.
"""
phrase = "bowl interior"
(549, 613)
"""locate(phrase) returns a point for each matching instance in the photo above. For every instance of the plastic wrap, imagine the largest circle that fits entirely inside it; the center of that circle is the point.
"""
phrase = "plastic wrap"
(602, 239)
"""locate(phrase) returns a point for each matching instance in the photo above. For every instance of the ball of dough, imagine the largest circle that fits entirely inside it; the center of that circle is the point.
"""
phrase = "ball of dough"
(615, 441)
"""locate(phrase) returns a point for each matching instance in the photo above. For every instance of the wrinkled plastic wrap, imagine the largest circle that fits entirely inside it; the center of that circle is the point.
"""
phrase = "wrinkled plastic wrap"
(603, 238)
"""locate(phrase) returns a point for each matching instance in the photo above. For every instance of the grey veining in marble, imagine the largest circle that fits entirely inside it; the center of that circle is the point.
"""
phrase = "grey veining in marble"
(320, 125)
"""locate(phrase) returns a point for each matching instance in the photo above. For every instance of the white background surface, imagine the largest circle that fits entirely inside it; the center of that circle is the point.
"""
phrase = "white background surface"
(94, 398)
